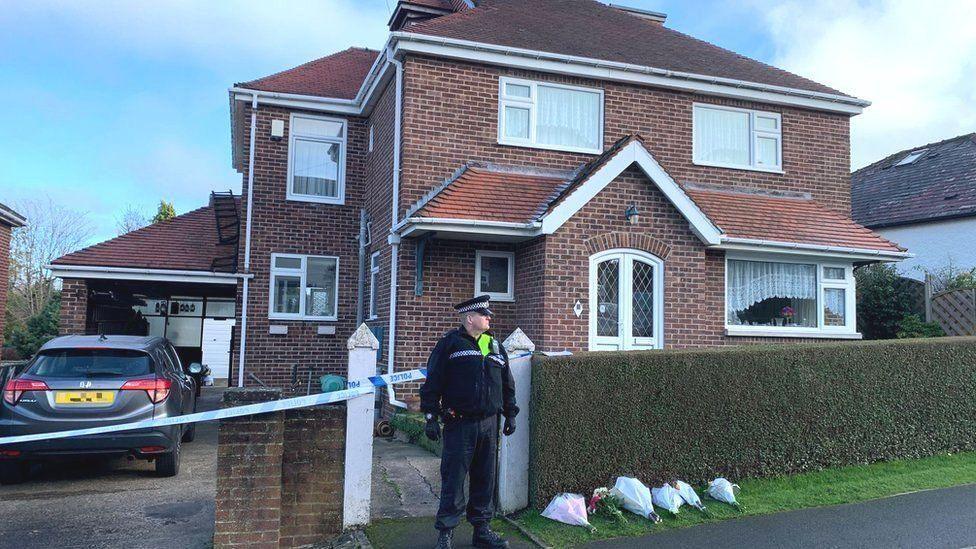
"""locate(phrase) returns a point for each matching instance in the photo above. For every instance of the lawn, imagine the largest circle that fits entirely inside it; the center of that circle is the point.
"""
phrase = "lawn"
(771, 495)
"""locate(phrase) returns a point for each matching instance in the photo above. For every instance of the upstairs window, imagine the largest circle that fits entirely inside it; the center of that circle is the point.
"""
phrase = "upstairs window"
(737, 138)
(316, 159)
(550, 116)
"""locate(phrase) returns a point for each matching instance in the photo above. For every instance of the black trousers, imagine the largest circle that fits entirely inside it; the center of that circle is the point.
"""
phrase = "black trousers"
(469, 448)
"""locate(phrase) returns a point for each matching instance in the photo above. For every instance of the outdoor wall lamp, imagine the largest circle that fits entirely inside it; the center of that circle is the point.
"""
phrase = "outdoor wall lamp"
(632, 214)
(277, 129)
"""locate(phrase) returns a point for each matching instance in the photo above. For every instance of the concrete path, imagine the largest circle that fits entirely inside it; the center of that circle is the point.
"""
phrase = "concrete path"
(117, 503)
(944, 518)
(406, 480)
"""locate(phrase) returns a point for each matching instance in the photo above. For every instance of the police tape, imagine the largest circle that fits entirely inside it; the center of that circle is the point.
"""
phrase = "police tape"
(357, 387)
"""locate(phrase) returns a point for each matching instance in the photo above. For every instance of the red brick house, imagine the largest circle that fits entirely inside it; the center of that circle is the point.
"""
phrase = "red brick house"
(612, 183)
(9, 220)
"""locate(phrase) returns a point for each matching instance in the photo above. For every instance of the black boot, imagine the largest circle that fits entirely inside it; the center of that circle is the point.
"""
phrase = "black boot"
(445, 540)
(484, 537)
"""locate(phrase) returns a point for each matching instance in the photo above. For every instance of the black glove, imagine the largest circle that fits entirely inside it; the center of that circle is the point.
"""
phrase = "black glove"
(509, 427)
(433, 429)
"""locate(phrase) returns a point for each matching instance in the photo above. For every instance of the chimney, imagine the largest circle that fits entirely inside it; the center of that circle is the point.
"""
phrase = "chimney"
(654, 16)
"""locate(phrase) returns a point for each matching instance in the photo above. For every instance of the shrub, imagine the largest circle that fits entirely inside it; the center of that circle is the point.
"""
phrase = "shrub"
(881, 301)
(746, 411)
(913, 326)
(28, 338)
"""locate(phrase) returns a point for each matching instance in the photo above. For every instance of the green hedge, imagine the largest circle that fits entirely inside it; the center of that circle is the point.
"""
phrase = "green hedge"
(411, 425)
(746, 411)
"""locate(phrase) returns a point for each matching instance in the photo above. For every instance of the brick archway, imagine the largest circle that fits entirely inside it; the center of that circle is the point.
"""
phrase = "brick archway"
(637, 241)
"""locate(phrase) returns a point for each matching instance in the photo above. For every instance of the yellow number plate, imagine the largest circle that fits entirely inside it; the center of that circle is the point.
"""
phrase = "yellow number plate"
(84, 397)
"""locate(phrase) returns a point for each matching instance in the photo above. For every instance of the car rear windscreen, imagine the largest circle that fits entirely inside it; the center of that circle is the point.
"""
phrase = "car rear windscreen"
(91, 363)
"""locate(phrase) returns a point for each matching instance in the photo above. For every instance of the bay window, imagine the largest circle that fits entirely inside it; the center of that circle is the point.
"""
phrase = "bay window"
(728, 137)
(304, 287)
(779, 297)
(550, 116)
(316, 159)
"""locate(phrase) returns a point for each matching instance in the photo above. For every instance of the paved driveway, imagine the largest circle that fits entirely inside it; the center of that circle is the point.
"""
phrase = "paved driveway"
(117, 503)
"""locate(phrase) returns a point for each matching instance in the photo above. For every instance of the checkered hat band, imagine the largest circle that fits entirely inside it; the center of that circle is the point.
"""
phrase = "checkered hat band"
(473, 306)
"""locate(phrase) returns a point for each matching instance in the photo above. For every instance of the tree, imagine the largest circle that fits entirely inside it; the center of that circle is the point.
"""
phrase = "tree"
(29, 337)
(51, 232)
(881, 304)
(165, 211)
(130, 219)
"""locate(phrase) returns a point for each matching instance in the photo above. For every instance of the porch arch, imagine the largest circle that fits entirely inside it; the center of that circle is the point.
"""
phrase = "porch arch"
(626, 240)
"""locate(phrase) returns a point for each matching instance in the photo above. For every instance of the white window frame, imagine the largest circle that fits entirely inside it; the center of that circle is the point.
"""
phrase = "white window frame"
(625, 341)
(496, 296)
(370, 138)
(294, 136)
(754, 135)
(848, 331)
(374, 272)
(302, 273)
(529, 103)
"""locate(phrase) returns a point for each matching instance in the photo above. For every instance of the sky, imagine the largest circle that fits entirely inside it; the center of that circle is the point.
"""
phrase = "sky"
(110, 104)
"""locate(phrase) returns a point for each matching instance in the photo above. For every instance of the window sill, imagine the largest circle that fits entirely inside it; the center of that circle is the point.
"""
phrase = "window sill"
(315, 199)
(498, 298)
(549, 147)
(738, 331)
(736, 167)
(303, 319)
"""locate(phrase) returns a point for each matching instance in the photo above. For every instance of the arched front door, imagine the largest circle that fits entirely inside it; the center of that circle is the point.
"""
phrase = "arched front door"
(626, 301)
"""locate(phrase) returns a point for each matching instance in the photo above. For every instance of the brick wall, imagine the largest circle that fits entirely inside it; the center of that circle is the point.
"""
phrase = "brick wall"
(279, 475)
(293, 227)
(74, 306)
(4, 274)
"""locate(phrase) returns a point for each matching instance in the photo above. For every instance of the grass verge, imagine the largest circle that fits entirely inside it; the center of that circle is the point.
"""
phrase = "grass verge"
(771, 495)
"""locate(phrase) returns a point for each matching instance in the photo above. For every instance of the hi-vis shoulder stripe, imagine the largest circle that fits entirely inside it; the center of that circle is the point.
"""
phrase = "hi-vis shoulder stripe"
(356, 388)
(469, 352)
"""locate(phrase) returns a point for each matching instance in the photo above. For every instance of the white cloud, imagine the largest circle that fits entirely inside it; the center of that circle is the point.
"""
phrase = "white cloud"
(915, 61)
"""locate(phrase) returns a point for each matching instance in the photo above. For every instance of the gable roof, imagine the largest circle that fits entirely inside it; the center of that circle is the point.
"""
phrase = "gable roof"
(590, 29)
(187, 242)
(721, 217)
(339, 75)
(939, 184)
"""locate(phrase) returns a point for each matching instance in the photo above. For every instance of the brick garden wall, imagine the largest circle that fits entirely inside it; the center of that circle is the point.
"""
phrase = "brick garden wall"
(4, 274)
(279, 475)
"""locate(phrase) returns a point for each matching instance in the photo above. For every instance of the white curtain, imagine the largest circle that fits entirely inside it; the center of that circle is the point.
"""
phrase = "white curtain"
(722, 136)
(750, 282)
(834, 304)
(315, 168)
(568, 117)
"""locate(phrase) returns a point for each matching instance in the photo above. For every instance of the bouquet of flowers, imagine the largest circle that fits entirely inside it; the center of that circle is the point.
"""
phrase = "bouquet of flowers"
(787, 313)
(604, 503)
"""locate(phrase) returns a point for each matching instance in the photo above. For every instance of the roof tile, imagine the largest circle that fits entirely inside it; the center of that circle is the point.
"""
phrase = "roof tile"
(339, 75)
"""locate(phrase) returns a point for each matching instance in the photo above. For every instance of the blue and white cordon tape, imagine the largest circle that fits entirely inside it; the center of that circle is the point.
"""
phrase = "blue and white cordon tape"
(355, 388)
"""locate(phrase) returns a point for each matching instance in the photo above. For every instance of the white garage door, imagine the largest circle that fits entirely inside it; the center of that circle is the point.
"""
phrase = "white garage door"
(216, 347)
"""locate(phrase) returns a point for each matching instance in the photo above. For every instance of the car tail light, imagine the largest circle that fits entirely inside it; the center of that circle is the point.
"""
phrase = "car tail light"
(157, 388)
(17, 387)
(10, 453)
(152, 449)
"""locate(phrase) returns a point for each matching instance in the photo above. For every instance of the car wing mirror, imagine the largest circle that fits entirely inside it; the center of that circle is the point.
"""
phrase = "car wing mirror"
(195, 368)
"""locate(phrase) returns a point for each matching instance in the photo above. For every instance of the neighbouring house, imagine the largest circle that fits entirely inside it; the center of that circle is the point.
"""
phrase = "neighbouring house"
(610, 182)
(9, 220)
(925, 199)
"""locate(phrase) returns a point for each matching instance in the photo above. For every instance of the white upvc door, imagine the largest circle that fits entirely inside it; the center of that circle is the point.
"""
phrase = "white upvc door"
(626, 301)
(217, 335)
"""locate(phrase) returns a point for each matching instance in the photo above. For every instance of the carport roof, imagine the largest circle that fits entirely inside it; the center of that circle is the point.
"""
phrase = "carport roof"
(187, 242)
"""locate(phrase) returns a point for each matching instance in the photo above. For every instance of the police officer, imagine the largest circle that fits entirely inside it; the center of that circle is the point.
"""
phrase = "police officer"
(468, 384)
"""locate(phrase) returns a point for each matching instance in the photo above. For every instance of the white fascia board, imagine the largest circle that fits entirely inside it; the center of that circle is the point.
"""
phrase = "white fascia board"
(773, 246)
(11, 217)
(307, 102)
(467, 226)
(630, 154)
(623, 72)
(151, 275)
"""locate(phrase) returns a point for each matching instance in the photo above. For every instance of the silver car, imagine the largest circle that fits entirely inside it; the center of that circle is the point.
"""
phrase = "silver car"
(77, 382)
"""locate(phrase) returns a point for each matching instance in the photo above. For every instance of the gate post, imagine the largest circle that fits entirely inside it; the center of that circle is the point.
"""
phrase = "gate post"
(513, 461)
(359, 431)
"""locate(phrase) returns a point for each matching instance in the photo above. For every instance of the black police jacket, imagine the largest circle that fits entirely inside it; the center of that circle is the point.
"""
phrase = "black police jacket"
(461, 379)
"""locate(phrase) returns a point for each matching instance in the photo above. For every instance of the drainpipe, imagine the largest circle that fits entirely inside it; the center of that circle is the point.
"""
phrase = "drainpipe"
(361, 287)
(394, 239)
(247, 236)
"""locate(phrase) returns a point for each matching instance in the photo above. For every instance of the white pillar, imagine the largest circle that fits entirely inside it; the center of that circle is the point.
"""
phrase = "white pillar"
(359, 431)
(513, 462)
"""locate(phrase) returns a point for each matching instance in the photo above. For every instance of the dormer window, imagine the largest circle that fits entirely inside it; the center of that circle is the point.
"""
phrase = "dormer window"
(911, 157)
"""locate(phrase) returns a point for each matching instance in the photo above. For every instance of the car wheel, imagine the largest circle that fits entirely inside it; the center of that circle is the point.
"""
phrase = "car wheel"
(168, 465)
(14, 472)
(190, 433)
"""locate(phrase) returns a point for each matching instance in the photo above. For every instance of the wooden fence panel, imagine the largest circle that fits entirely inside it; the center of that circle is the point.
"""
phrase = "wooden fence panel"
(955, 311)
